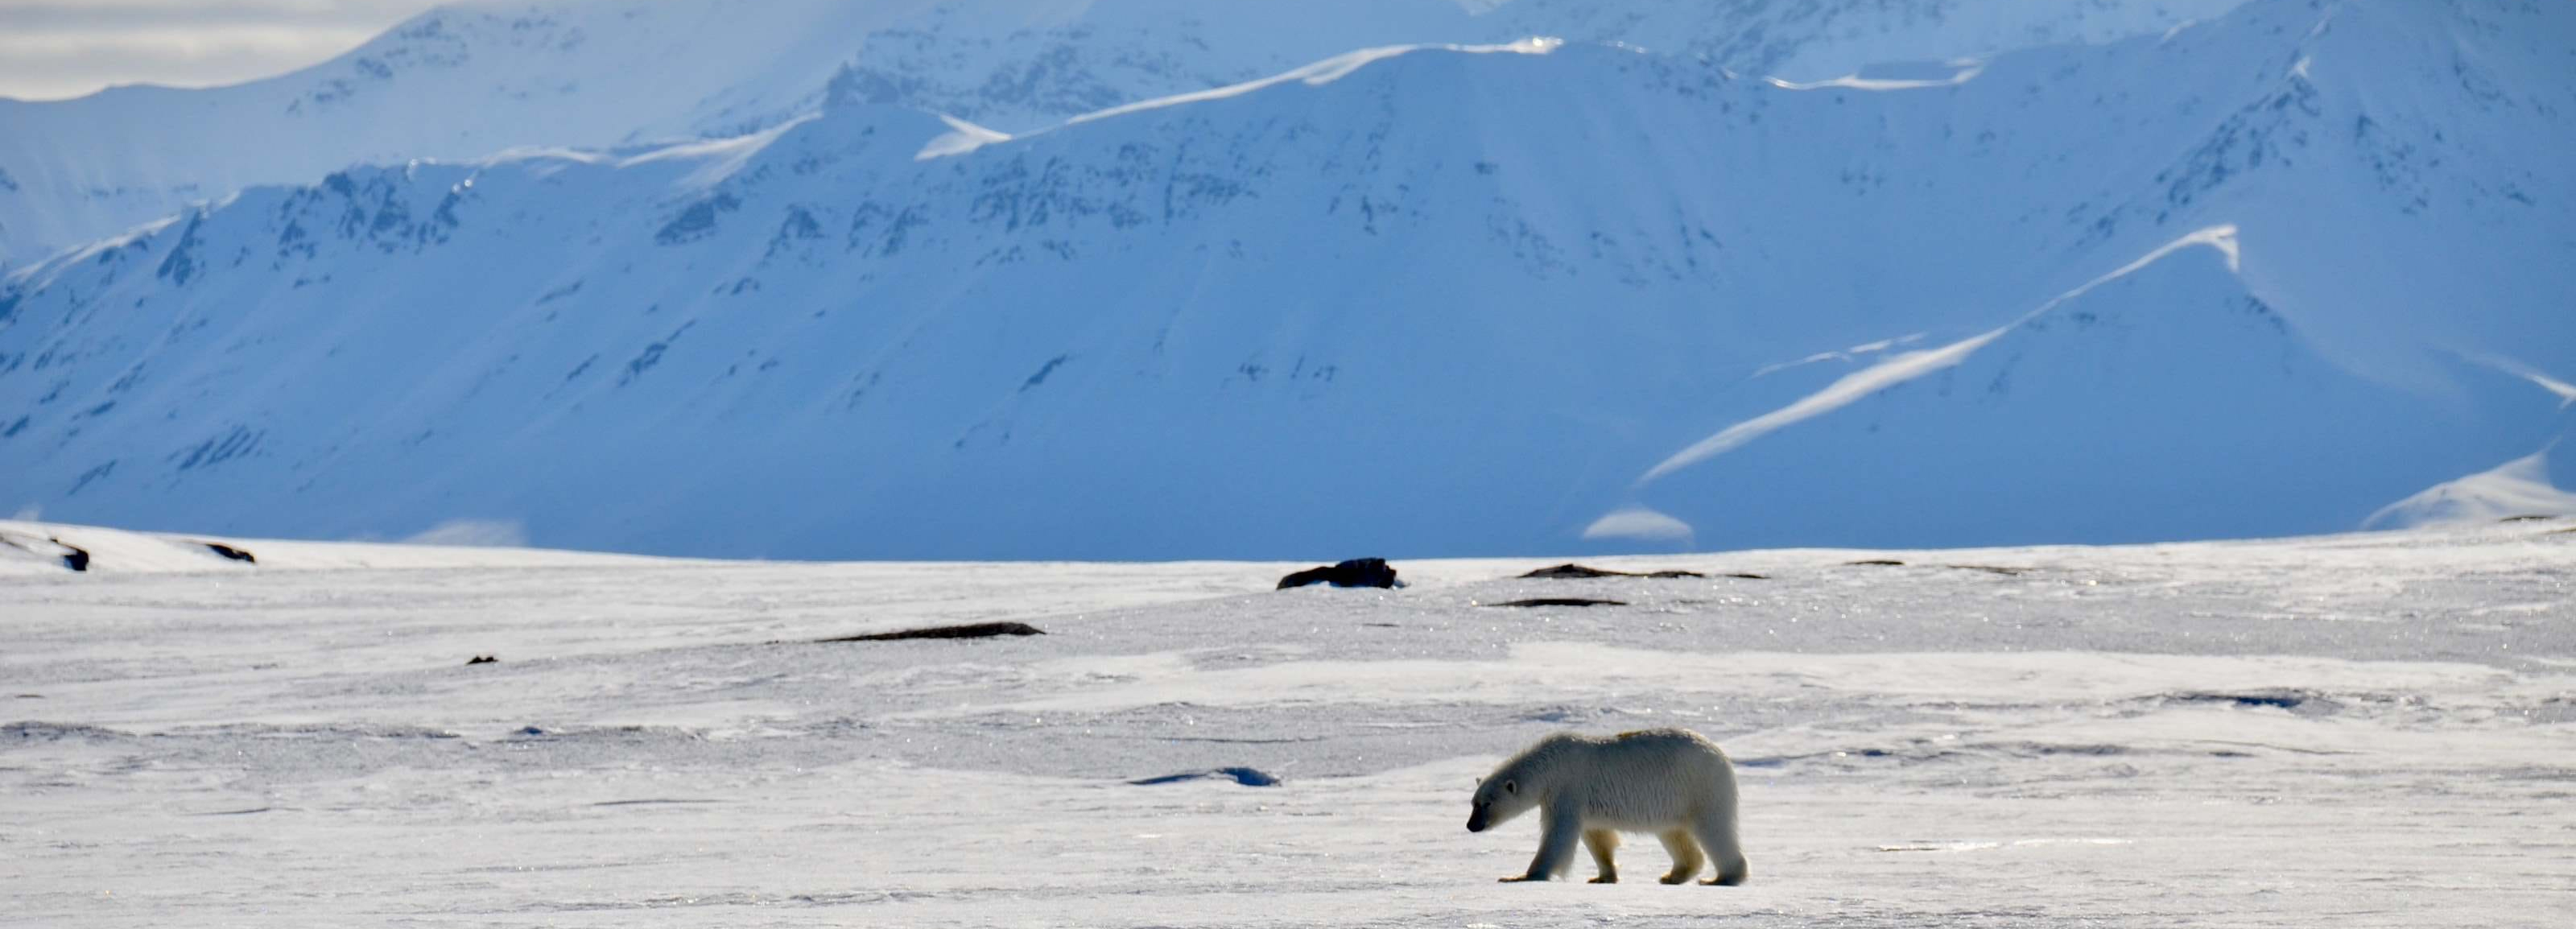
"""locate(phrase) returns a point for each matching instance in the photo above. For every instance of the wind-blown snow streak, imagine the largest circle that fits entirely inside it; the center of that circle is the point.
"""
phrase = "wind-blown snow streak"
(1320, 73)
(722, 158)
(1857, 82)
(1849, 354)
(967, 137)
(1900, 368)
(2566, 392)
(1895, 370)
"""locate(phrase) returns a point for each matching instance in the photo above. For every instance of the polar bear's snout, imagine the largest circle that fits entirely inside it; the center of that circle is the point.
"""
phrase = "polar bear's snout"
(1481, 818)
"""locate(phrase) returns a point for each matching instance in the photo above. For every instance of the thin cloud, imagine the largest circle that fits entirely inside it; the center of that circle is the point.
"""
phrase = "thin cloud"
(54, 49)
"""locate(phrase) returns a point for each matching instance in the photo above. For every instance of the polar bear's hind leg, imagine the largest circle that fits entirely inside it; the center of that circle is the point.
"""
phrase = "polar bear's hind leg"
(1602, 842)
(1686, 856)
(1716, 834)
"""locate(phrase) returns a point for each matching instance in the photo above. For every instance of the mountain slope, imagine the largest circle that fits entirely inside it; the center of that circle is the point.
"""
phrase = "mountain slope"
(2169, 381)
(1415, 301)
(476, 78)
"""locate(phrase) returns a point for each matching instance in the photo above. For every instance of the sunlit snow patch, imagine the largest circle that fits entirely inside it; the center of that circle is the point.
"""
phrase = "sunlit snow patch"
(2519, 487)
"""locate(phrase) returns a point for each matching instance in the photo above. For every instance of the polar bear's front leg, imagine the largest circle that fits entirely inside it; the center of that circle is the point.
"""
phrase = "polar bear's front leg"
(1601, 842)
(1558, 833)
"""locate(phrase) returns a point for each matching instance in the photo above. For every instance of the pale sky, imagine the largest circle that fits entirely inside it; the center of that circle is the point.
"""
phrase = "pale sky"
(50, 49)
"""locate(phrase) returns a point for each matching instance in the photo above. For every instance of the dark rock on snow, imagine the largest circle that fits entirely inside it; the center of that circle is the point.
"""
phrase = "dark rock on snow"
(1560, 601)
(1248, 777)
(1584, 571)
(1357, 572)
(971, 631)
(229, 552)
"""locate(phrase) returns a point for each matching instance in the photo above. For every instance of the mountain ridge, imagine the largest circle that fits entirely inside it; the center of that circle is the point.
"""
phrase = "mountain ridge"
(1446, 302)
(470, 79)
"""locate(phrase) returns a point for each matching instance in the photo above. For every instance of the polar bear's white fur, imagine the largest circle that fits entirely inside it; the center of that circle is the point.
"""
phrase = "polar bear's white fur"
(1668, 782)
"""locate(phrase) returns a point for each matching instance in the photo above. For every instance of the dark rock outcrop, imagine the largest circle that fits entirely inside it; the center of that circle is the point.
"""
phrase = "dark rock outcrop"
(970, 631)
(1357, 572)
(1560, 601)
(1587, 571)
(1248, 777)
(229, 552)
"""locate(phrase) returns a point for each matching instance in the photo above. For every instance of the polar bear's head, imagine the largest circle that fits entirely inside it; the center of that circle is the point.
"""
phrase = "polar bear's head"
(1524, 781)
(1499, 797)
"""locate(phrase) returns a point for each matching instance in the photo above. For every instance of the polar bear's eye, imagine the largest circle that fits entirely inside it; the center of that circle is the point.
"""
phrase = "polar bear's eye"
(1512, 787)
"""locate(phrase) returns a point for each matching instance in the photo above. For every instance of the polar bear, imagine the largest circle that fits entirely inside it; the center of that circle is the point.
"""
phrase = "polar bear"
(1669, 782)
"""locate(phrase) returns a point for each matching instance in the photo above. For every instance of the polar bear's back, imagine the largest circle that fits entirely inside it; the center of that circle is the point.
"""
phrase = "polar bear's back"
(1651, 779)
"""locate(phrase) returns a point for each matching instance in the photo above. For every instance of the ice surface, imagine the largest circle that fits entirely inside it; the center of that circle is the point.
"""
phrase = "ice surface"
(2368, 730)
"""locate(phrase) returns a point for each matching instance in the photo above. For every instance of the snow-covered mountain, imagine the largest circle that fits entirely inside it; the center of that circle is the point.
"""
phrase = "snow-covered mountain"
(2264, 274)
(472, 79)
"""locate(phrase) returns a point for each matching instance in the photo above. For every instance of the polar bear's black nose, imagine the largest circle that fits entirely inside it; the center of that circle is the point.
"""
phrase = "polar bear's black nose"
(1476, 820)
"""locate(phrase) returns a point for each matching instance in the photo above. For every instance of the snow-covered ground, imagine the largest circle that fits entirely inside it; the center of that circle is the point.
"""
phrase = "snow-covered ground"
(2347, 731)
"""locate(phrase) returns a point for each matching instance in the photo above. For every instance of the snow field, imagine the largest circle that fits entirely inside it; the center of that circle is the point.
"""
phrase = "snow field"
(2357, 730)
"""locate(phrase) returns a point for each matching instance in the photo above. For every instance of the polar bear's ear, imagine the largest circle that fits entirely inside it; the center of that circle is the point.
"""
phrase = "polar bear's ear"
(1480, 782)
(1512, 787)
